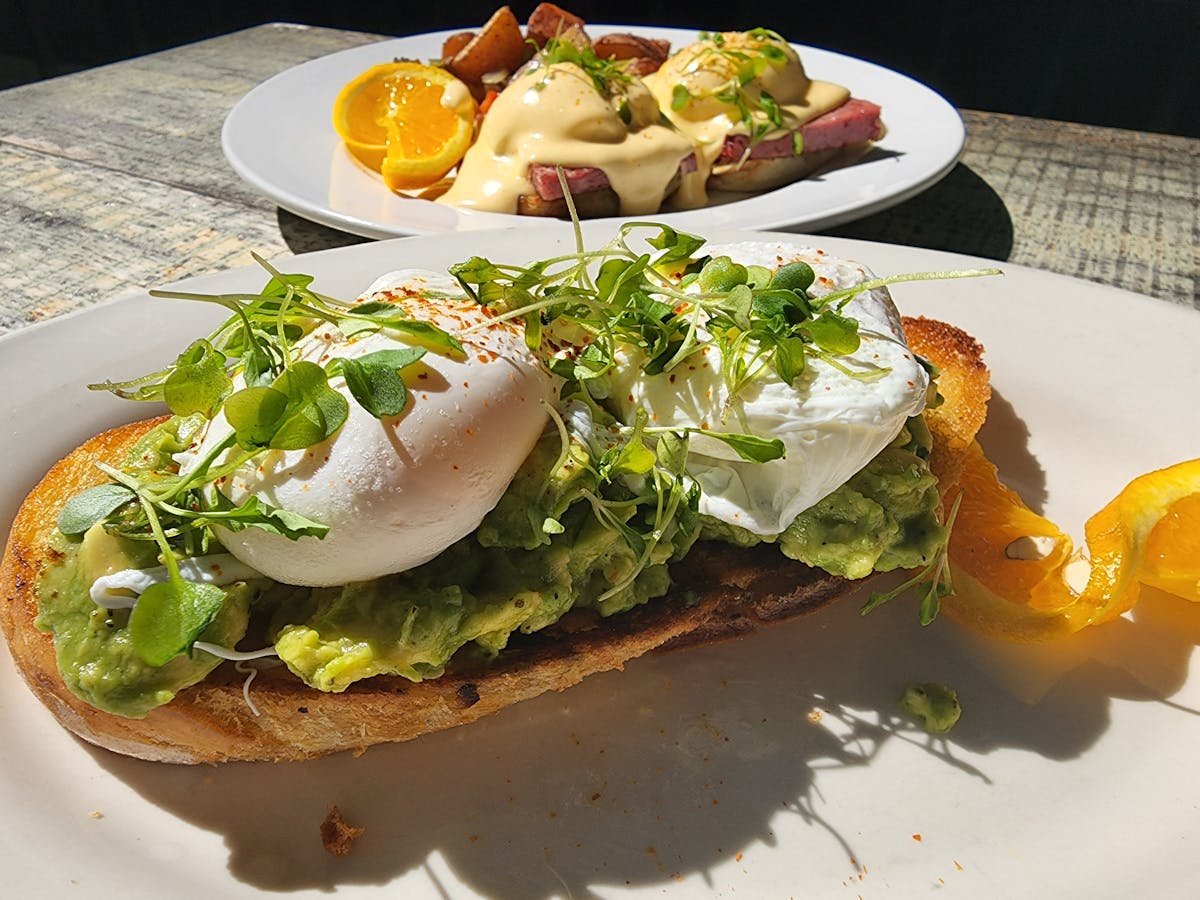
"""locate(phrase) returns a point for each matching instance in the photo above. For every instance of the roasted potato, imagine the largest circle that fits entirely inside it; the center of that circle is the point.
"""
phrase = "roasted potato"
(499, 47)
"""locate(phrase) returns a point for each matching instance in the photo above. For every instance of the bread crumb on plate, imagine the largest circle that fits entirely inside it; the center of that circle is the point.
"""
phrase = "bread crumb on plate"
(337, 835)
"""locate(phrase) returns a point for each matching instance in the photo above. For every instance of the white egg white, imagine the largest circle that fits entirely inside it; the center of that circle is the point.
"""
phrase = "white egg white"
(396, 492)
(831, 423)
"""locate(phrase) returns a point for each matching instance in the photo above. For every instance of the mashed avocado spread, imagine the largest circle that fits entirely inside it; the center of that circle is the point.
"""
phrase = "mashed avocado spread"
(509, 576)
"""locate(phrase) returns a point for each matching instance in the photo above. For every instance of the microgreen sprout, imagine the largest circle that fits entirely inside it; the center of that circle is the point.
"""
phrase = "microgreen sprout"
(609, 76)
(670, 305)
(746, 62)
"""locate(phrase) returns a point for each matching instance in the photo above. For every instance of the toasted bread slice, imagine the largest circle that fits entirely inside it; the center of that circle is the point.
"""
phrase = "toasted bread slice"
(721, 592)
(963, 382)
(754, 176)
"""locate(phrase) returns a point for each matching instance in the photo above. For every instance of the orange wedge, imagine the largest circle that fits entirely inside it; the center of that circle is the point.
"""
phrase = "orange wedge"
(408, 121)
(1148, 534)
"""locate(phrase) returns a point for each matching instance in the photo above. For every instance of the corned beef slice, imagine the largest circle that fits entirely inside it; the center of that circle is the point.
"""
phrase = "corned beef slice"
(581, 179)
(851, 123)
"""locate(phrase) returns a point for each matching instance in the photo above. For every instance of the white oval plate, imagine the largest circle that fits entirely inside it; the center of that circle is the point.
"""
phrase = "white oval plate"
(772, 766)
(280, 139)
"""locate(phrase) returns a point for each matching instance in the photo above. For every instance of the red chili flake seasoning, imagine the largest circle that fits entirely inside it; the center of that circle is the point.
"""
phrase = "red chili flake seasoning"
(917, 838)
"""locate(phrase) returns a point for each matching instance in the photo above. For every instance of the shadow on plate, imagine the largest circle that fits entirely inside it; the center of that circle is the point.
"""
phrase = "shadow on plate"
(855, 156)
(303, 236)
(673, 767)
(961, 214)
(1005, 438)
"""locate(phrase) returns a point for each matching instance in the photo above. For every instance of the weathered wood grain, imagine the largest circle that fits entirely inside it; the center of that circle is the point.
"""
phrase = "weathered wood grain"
(113, 178)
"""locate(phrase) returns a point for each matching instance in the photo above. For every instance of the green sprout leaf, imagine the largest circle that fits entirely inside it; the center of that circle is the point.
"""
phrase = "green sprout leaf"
(795, 276)
(751, 447)
(721, 274)
(314, 411)
(168, 618)
(680, 97)
(94, 505)
(198, 383)
(834, 332)
(281, 283)
(676, 245)
(254, 414)
(672, 451)
(374, 380)
(257, 513)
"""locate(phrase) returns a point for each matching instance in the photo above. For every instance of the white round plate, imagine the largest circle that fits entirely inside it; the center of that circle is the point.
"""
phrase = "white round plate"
(772, 766)
(280, 139)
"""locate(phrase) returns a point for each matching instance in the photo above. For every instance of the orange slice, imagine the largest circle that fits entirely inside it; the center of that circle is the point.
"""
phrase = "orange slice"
(1172, 561)
(1148, 534)
(408, 121)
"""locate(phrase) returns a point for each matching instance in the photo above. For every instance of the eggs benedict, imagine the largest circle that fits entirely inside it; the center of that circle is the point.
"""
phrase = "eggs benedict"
(757, 119)
(601, 125)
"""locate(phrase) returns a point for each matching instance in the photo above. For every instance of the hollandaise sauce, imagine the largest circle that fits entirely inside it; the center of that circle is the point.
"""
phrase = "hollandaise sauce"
(708, 93)
(555, 115)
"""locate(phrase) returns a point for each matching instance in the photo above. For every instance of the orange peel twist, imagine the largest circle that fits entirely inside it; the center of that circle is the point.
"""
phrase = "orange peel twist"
(1149, 534)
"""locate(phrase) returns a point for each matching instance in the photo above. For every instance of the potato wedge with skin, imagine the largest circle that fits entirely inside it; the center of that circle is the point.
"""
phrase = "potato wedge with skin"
(455, 43)
(499, 47)
(547, 21)
(641, 55)
(631, 46)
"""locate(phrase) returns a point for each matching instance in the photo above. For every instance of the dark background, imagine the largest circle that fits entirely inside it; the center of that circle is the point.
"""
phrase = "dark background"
(1133, 64)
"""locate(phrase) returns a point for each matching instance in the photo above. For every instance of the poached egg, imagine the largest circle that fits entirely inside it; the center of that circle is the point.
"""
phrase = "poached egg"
(395, 492)
(554, 115)
(699, 89)
(831, 422)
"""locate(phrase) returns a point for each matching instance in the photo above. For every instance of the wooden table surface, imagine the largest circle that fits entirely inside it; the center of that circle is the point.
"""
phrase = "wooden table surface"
(113, 179)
